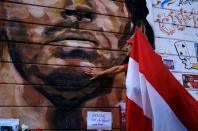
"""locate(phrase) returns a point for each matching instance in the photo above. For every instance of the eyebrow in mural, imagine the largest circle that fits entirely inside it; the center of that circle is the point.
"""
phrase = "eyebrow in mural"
(45, 52)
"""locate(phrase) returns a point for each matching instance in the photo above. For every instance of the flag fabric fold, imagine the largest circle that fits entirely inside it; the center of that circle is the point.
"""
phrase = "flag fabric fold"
(155, 100)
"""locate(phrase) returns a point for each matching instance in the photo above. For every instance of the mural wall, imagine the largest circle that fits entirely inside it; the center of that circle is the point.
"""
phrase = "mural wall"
(176, 37)
(45, 47)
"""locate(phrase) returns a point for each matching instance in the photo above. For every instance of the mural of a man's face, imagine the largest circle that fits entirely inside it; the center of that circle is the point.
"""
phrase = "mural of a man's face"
(75, 38)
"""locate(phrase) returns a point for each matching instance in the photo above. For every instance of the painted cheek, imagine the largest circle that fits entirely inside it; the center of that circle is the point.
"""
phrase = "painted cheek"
(116, 24)
(104, 23)
(43, 2)
(113, 40)
(35, 34)
(28, 52)
(124, 11)
(13, 11)
(100, 7)
(53, 16)
(106, 7)
(103, 42)
(80, 2)
(36, 12)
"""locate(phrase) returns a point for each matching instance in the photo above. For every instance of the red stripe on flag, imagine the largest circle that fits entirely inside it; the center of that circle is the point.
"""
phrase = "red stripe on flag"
(151, 65)
(135, 118)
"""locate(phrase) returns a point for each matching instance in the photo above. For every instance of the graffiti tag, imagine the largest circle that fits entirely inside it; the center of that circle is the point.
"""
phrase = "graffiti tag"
(178, 20)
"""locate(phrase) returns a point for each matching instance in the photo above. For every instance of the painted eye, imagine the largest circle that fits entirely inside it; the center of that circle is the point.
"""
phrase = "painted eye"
(89, 15)
(67, 13)
(85, 16)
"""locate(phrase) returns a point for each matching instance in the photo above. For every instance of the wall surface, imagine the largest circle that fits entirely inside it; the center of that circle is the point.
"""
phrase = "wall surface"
(46, 47)
(175, 24)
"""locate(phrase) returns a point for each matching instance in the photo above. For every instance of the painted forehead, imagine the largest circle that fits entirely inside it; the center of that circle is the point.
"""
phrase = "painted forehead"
(97, 6)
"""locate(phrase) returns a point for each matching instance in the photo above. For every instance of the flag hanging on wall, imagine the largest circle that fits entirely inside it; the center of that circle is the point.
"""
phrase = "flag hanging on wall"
(156, 101)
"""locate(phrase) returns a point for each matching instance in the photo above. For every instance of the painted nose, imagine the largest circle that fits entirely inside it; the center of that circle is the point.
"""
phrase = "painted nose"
(79, 15)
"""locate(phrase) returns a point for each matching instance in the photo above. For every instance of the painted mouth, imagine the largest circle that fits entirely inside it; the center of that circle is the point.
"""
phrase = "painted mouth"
(73, 49)
(81, 45)
(65, 36)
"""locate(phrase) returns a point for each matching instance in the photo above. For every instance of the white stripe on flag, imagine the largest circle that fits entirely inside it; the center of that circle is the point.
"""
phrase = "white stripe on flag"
(140, 91)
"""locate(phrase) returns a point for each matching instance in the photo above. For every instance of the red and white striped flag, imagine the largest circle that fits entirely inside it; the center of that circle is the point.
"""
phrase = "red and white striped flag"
(156, 101)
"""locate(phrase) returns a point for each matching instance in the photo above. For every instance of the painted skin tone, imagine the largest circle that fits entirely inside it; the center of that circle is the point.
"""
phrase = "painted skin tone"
(72, 46)
(76, 48)
(95, 73)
